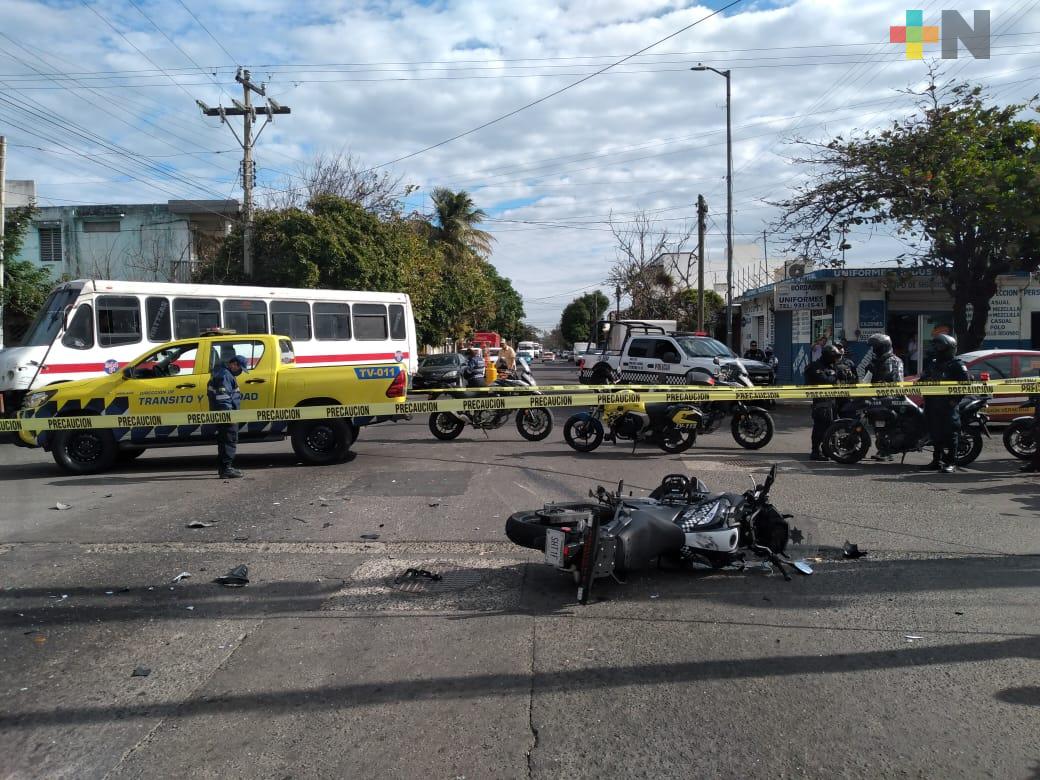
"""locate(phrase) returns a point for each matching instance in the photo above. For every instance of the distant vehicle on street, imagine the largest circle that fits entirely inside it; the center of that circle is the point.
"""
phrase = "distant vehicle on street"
(172, 379)
(440, 371)
(580, 348)
(91, 327)
(526, 354)
(999, 364)
(548, 357)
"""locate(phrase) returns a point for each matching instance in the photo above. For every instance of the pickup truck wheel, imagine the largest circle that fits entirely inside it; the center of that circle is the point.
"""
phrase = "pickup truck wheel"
(321, 442)
(84, 452)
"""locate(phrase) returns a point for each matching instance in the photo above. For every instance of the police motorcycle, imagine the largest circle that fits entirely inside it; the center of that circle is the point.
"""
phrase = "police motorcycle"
(680, 522)
(1020, 435)
(752, 426)
(898, 426)
(533, 424)
(671, 426)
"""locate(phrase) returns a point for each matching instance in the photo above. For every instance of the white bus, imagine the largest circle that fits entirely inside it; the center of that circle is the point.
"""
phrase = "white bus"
(90, 327)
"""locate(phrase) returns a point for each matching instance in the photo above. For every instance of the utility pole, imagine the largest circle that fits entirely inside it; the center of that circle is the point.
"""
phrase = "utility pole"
(3, 234)
(765, 257)
(702, 213)
(248, 112)
(617, 303)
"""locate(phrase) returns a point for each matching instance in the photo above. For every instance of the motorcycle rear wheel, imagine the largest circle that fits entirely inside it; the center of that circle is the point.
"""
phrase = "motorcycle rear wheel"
(754, 429)
(445, 426)
(969, 447)
(534, 424)
(527, 529)
(673, 439)
(1018, 439)
(843, 444)
(583, 435)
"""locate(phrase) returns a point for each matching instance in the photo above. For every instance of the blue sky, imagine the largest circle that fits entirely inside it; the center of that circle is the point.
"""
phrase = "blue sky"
(109, 115)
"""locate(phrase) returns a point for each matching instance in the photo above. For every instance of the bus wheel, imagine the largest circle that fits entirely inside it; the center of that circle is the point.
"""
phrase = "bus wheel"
(321, 442)
(84, 452)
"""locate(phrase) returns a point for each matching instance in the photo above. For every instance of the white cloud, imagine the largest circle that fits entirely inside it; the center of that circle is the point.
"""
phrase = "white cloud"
(650, 135)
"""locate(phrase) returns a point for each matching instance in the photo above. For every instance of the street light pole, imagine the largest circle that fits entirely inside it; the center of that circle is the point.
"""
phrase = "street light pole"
(729, 204)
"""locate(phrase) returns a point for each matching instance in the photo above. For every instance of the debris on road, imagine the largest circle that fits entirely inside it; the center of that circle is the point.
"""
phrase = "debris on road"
(199, 524)
(326, 525)
(414, 574)
(141, 671)
(912, 637)
(372, 537)
(852, 551)
(61, 507)
(238, 577)
(182, 576)
(435, 503)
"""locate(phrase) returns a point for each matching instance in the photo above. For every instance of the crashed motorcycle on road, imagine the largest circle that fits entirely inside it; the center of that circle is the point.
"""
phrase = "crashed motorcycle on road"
(533, 424)
(679, 522)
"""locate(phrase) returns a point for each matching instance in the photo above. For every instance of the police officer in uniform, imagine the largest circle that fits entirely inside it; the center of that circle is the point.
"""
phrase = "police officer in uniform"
(475, 369)
(884, 365)
(822, 372)
(940, 411)
(224, 396)
(754, 353)
(846, 369)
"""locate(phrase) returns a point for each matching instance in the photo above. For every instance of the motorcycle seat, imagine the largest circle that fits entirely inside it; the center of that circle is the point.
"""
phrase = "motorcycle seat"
(658, 409)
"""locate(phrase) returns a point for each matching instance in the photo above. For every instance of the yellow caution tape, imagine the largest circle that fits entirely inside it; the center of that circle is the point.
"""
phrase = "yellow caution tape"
(547, 398)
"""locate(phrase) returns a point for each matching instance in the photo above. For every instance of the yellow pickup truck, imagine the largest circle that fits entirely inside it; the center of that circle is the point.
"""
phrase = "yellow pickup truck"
(173, 379)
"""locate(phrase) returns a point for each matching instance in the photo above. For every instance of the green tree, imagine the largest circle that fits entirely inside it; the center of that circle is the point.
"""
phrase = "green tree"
(509, 313)
(960, 181)
(26, 285)
(455, 225)
(580, 315)
(684, 305)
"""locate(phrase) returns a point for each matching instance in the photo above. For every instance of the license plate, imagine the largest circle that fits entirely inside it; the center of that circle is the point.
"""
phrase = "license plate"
(554, 541)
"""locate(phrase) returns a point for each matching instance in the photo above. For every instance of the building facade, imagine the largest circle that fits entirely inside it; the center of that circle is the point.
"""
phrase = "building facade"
(910, 305)
(158, 242)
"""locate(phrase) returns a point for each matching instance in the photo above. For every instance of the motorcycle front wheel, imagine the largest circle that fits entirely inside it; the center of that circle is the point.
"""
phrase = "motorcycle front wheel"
(842, 443)
(673, 439)
(446, 426)
(583, 434)
(1019, 440)
(753, 429)
(969, 447)
(534, 424)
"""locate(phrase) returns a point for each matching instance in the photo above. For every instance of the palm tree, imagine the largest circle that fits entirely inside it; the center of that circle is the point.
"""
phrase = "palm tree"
(455, 224)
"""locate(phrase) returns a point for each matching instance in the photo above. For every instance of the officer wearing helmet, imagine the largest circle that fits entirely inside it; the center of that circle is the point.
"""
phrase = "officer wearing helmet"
(823, 371)
(940, 411)
(884, 365)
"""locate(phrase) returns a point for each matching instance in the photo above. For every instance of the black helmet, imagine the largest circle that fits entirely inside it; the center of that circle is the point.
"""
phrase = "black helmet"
(880, 343)
(830, 354)
(944, 345)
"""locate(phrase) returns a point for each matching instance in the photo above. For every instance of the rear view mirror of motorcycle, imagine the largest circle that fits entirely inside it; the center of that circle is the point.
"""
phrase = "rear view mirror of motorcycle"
(802, 567)
(620, 488)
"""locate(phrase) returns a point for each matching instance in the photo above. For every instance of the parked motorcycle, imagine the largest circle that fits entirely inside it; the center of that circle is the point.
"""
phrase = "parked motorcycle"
(672, 427)
(680, 522)
(532, 424)
(898, 425)
(1019, 437)
(752, 426)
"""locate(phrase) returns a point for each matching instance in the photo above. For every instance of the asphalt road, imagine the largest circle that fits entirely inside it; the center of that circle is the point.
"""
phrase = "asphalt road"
(922, 659)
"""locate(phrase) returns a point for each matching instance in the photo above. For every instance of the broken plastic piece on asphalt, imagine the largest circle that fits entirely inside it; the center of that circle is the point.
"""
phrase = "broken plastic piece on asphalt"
(414, 574)
(189, 607)
(238, 577)
(109, 592)
(852, 551)
(60, 506)
(199, 524)
(326, 525)
(435, 503)
(141, 671)
(912, 637)
(182, 576)
(370, 536)
(655, 595)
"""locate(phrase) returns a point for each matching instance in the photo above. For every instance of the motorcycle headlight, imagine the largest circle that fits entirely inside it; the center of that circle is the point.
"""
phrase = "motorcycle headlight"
(36, 399)
(451, 374)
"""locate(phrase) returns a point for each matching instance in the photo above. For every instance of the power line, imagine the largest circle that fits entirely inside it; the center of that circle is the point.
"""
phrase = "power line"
(216, 40)
(556, 92)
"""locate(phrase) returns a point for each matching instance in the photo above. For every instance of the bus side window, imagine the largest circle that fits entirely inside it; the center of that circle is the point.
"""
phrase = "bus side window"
(370, 322)
(398, 332)
(119, 320)
(331, 321)
(245, 316)
(193, 315)
(157, 314)
(292, 319)
(80, 334)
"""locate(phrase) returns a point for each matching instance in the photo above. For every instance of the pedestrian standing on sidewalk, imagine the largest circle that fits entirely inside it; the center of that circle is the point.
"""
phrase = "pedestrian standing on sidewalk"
(224, 396)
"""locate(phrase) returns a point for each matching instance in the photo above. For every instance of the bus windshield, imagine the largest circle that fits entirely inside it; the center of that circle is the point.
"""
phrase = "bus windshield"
(48, 321)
